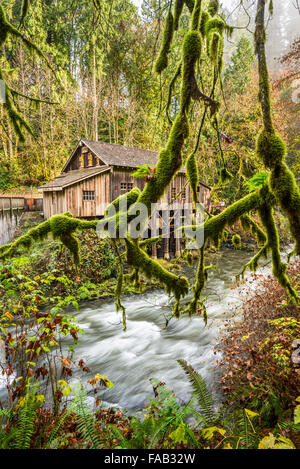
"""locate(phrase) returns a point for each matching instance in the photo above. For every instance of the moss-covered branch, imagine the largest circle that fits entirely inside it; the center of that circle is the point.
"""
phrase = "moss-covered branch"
(270, 147)
(214, 227)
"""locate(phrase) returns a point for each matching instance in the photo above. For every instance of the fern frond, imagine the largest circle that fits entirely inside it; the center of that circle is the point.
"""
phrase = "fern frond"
(200, 389)
(26, 423)
(86, 422)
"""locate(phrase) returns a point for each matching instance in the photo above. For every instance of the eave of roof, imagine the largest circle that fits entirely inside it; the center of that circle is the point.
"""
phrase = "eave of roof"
(73, 177)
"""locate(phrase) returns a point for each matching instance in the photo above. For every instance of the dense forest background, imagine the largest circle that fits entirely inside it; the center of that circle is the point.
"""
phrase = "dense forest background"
(104, 87)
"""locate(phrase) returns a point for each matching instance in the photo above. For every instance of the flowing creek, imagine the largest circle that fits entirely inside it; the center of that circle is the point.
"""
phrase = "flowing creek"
(147, 349)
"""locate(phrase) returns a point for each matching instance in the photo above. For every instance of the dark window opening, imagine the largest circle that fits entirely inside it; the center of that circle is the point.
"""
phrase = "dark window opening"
(126, 186)
(88, 195)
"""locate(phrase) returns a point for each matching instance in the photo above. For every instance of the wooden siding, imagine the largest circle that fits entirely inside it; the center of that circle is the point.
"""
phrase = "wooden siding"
(107, 187)
(122, 176)
(71, 200)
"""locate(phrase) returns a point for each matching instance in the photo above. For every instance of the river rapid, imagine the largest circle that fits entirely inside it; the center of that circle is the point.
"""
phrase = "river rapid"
(147, 349)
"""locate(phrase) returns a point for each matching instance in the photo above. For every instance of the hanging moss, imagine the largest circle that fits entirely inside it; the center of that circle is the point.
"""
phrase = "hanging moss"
(72, 244)
(16, 119)
(287, 193)
(191, 53)
(214, 226)
(119, 286)
(177, 285)
(178, 7)
(270, 148)
(253, 264)
(190, 4)
(193, 176)
(248, 224)
(24, 11)
(271, 7)
(196, 15)
(225, 176)
(213, 25)
(205, 17)
(162, 60)
(213, 7)
(279, 268)
(189, 259)
(236, 241)
(201, 278)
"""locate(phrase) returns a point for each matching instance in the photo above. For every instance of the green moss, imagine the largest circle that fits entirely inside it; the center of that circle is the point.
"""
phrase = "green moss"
(253, 264)
(193, 176)
(236, 241)
(205, 17)
(162, 60)
(201, 278)
(213, 7)
(270, 149)
(62, 225)
(279, 268)
(248, 224)
(119, 286)
(196, 15)
(177, 285)
(214, 226)
(191, 53)
(271, 7)
(190, 4)
(130, 197)
(189, 259)
(287, 193)
(73, 246)
(178, 7)
(4, 26)
(213, 25)
(225, 176)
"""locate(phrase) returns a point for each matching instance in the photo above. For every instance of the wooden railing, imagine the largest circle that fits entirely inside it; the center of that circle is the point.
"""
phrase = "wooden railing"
(20, 203)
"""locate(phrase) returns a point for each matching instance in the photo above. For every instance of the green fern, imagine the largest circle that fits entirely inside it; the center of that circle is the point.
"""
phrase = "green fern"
(257, 181)
(202, 393)
(26, 425)
(54, 438)
(86, 422)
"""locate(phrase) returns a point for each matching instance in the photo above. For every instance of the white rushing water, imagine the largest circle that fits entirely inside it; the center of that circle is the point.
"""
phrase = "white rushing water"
(147, 350)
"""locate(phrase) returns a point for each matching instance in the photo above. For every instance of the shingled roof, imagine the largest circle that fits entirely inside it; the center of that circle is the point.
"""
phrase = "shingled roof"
(112, 155)
(67, 179)
(119, 155)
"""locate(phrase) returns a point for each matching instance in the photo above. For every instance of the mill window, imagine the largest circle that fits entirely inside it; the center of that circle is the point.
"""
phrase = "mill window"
(88, 195)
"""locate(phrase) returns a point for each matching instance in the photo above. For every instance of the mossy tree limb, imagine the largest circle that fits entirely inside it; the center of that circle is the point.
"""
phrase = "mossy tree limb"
(270, 147)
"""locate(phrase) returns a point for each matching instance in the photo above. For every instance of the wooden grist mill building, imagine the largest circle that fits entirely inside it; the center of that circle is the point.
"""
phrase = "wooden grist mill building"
(97, 173)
